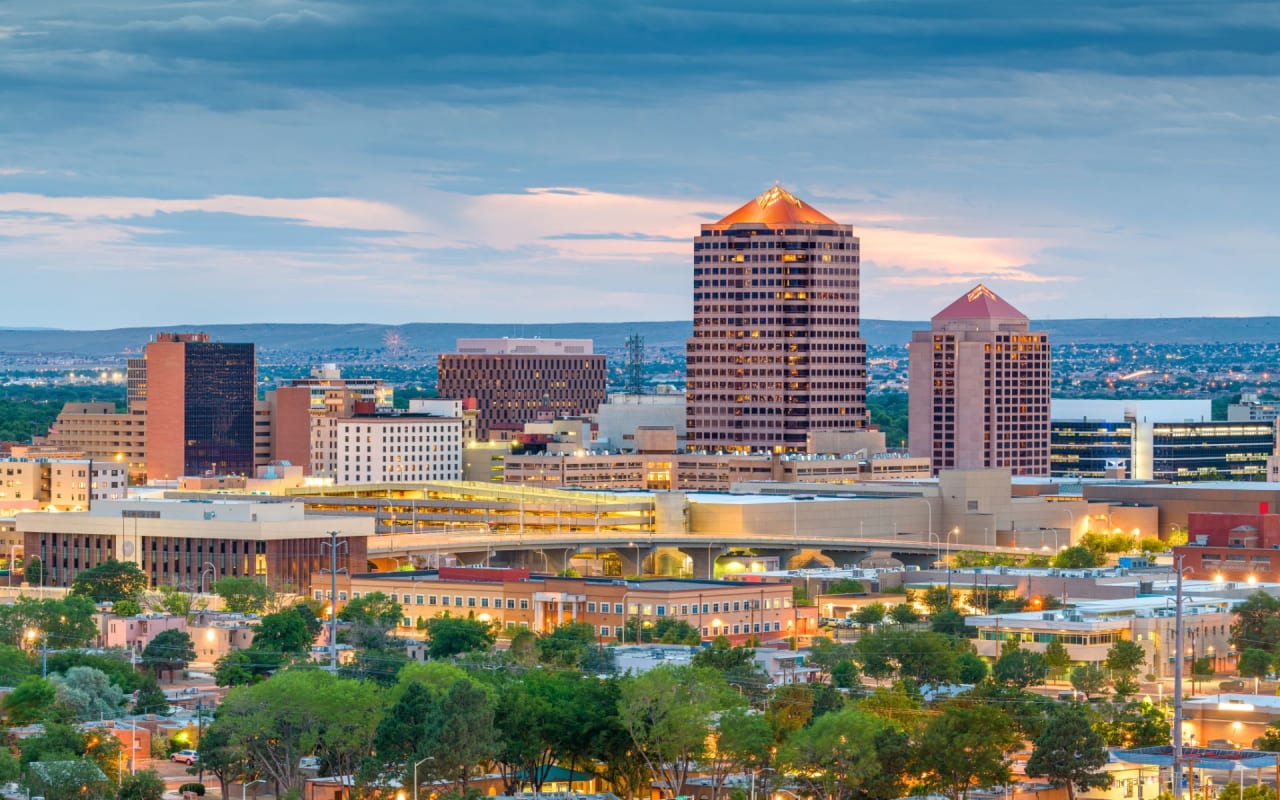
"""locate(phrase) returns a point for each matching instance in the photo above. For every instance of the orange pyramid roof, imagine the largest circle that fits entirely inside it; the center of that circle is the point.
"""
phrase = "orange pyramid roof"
(979, 303)
(777, 207)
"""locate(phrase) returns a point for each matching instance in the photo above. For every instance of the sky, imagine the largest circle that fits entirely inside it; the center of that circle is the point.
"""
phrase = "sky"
(550, 160)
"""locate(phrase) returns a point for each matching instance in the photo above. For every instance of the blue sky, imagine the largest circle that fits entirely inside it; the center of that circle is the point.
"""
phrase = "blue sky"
(535, 161)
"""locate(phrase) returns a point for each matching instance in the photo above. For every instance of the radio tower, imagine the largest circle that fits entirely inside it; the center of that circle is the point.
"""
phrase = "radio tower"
(635, 364)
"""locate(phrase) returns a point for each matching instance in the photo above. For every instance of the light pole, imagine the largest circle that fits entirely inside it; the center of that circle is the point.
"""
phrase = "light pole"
(333, 597)
(1242, 769)
(44, 649)
(929, 506)
(207, 569)
(415, 774)
(938, 551)
(1177, 683)
(244, 787)
(955, 531)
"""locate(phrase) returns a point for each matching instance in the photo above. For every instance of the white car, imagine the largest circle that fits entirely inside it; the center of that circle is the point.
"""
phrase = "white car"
(185, 757)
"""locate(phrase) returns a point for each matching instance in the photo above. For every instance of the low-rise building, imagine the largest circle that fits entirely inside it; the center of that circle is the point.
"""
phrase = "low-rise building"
(192, 543)
(216, 633)
(73, 483)
(1232, 547)
(513, 599)
(1228, 720)
(136, 632)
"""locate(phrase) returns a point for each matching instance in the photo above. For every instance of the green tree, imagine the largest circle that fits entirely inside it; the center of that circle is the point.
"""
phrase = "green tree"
(1088, 679)
(172, 600)
(30, 701)
(950, 622)
(723, 656)
(69, 779)
(870, 614)
(835, 756)
(282, 632)
(1020, 668)
(374, 609)
(789, 710)
(846, 586)
(126, 608)
(150, 699)
(67, 622)
(1270, 739)
(970, 668)
(33, 573)
(1056, 657)
(111, 581)
(1076, 557)
(144, 785)
(965, 746)
(1201, 671)
(1135, 724)
(668, 711)
(743, 741)
(1257, 623)
(845, 674)
(1258, 791)
(570, 645)
(15, 664)
(169, 651)
(243, 595)
(1125, 657)
(295, 713)
(904, 614)
(1070, 753)
(450, 636)
(936, 599)
(236, 668)
(1255, 663)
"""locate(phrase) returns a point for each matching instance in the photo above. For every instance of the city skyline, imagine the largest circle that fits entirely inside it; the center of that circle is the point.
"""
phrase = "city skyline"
(331, 162)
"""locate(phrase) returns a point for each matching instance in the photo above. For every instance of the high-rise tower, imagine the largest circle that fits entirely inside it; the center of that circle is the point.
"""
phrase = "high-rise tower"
(979, 388)
(776, 351)
(200, 406)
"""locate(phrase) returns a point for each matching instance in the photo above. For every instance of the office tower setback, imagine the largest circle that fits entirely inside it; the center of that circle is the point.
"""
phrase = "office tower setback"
(515, 381)
(200, 406)
(776, 351)
(979, 388)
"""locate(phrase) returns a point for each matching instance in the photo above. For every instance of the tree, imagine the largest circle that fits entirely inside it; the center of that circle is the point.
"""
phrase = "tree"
(243, 595)
(1070, 752)
(904, 614)
(126, 608)
(1020, 668)
(375, 609)
(950, 622)
(29, 701)
(965, 746)
(67, 622)
(723, 656)
(1257, 623)
(1056, 657)
(169, 651)
(1076, 557)
(789, 710)
(743, 742)
(870, 614)
(144, 785)
(87, 693)
(970, 668)
(33, 573)
(569, 645)
(1258, 791)
(111, 581)
(1270, 739)
(450, 636)
(846, 586)
(1135, 724)
(1125, 657)
(668, 630)
(1255, 663)
(282, 632)
(150, 699)
(15, 664)
(68, 779)
(462, 729)
(1088, 679)
(1201, 670)
(173, 600)
(936, 599)
(236, 668)
(667, 711)
(296, 713)
(835, 755)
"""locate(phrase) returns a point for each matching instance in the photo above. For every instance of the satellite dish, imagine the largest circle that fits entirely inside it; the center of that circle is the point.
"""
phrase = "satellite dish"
(127, 549)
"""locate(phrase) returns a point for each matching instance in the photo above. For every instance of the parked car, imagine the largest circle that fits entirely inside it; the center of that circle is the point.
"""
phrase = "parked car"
(185, 757)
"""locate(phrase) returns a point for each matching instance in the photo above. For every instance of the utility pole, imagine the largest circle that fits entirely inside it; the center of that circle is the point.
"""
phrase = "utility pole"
(333, 599)
(1177, 683)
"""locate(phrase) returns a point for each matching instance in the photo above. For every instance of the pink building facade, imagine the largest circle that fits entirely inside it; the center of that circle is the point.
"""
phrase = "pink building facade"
(776, 350)
(979, 388)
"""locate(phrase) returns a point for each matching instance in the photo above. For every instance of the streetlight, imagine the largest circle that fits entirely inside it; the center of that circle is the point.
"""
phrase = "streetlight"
(244, 787)
(32, 633)
(1240, 766)
(955, 531)
(207, 569)
(415, 774)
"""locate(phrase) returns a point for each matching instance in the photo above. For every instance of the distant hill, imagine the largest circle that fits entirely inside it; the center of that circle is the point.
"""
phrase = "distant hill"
(439, 337)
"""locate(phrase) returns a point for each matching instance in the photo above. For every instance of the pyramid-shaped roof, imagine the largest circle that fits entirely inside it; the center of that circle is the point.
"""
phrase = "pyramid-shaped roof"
(777, 207)
(979, 303)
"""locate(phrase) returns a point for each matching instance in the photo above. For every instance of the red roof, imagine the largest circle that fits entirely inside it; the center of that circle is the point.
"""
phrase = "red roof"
(777, 207)
(980, 303)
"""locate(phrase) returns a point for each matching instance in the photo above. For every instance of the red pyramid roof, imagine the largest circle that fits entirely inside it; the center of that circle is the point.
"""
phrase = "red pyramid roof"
(777, 207)
(979, 303)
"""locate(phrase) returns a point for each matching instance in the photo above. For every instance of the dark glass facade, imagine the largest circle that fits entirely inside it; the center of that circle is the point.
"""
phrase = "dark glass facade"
(1084, 448)
(218, 414)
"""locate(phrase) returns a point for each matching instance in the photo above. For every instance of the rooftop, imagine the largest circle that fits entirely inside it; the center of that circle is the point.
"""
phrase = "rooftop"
(776, 207)
(979, 303)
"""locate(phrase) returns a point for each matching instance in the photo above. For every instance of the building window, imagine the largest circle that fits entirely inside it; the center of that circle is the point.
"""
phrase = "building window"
(591, 607)
(524, 604)
(431, 599)
(662, 611)
(617, 608)
(604, 630)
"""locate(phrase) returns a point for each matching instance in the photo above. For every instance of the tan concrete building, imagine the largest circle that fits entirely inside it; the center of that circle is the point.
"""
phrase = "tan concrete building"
(193, 543)
(351, 443)
(514, 381)
(776, 350)
(514, 599)
(62, 484)
(979, 388)
(98, 431)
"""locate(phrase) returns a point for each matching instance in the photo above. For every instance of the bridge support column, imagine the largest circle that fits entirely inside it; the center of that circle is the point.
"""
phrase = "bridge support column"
(634, 559)
(704, 559)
